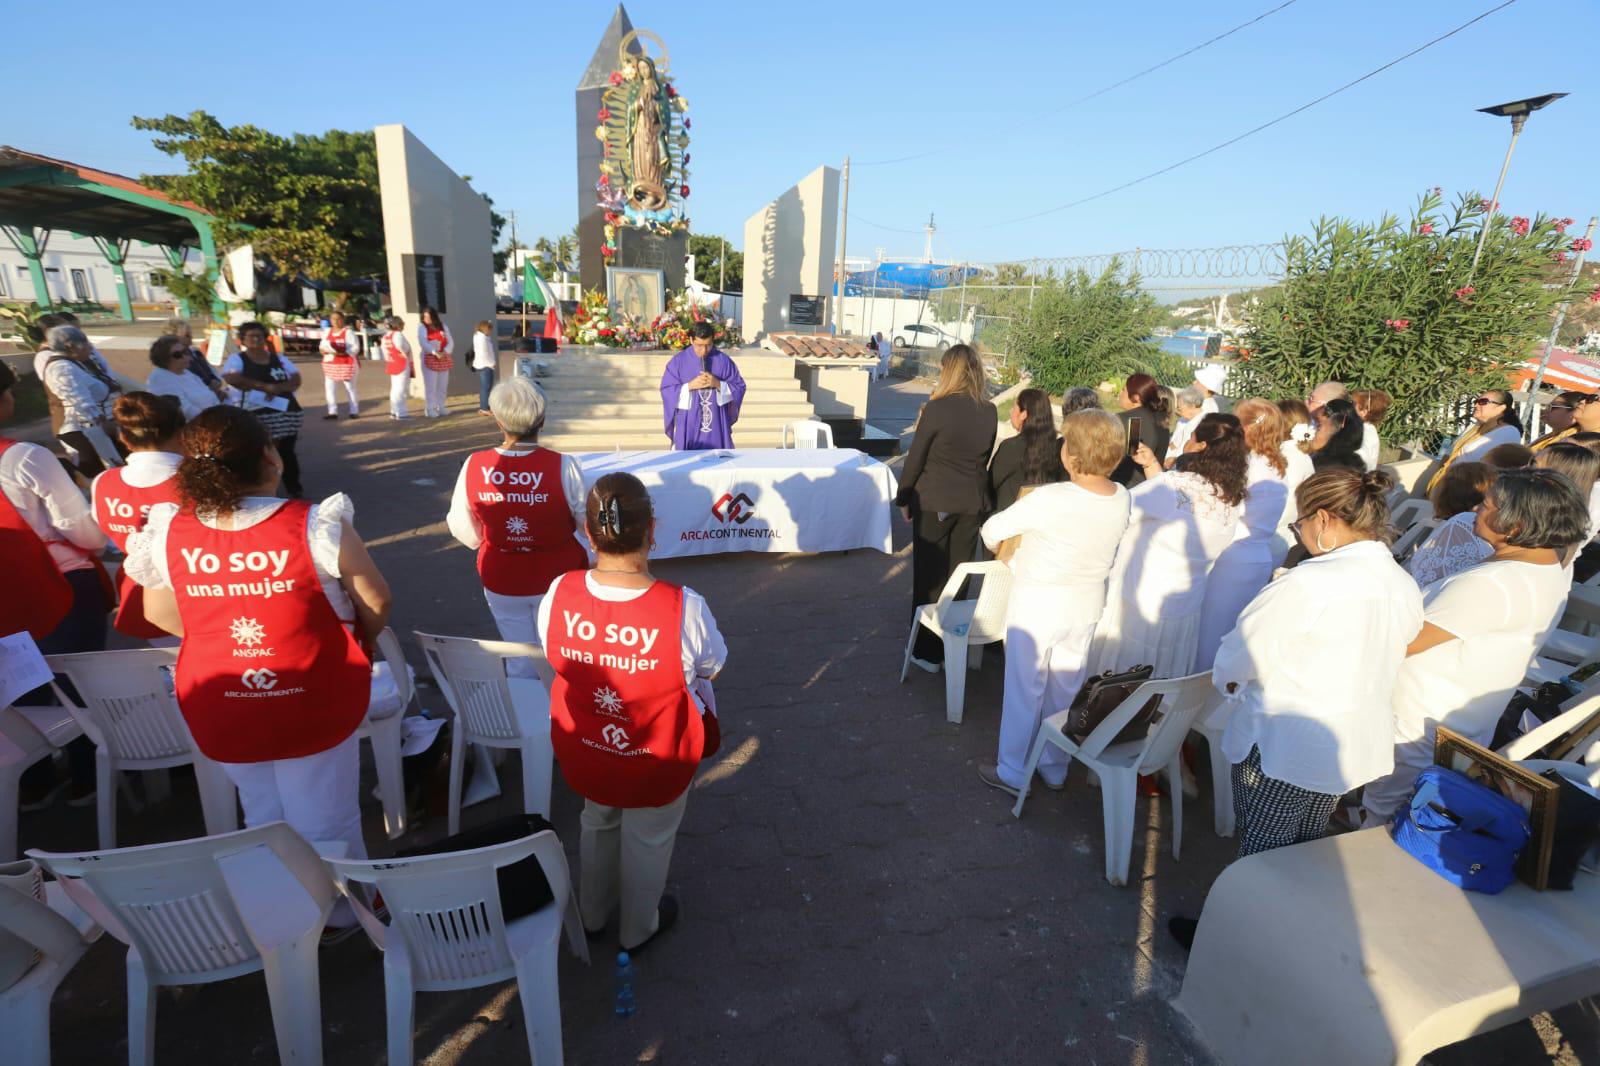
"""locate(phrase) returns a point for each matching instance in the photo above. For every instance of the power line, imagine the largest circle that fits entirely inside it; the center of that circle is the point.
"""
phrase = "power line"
(1101, 91)
(1252, 132)
(874, 225)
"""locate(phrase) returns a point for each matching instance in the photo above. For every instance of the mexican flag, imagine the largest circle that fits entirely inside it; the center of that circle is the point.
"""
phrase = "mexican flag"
(537, 292)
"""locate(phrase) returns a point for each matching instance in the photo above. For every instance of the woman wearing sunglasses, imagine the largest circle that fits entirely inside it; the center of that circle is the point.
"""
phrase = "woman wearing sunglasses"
(1494, 422)
(1559, 416)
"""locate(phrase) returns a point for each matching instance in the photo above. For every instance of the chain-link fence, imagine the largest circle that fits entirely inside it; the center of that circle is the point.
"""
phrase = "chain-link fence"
(983, 303)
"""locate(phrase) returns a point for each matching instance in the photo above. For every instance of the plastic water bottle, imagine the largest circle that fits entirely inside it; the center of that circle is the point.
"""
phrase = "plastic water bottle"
(624, 1008)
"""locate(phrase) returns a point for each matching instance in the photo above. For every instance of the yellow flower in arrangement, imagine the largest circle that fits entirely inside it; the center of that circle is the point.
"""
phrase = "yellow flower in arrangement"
(611, 232)
(600, 133)
(681, 103)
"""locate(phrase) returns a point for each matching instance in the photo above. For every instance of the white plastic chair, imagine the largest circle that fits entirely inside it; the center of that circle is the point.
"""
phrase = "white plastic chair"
(61, 933)
(197, 911)
(1575, 712)
(493, 711)
(447, 932)
(1210, 723)
(384, 734)
(130, 713)
(808, 433)
(27, 735)
(965, 626)
(1409, 512)
(1413, 535)
(1119, 765)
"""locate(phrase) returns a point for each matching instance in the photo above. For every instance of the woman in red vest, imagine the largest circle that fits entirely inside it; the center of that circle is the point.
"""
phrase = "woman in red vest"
(519, 507)
(275, 600)
(341, 359)
(433, 338)
(397, 364)
(631, 713)
(55, 588)
(122, 496)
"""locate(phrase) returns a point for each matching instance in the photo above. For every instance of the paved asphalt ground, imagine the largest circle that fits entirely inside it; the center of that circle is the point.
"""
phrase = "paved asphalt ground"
(851, 892)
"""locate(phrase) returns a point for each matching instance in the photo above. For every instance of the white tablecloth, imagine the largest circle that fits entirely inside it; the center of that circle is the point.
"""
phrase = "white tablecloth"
(759, 499)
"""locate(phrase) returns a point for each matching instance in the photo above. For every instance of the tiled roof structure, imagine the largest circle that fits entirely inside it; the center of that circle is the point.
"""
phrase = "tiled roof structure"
(816, 347)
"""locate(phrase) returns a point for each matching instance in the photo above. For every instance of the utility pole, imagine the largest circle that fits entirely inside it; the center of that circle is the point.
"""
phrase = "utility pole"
(927, 244)
(844, 234)
(722, 267)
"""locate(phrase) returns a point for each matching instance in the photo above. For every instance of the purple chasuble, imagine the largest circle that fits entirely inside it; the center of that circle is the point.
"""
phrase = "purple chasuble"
(706, 424)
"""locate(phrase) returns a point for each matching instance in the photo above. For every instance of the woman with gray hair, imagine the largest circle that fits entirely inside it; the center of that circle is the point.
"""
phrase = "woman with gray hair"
(82, 380)
(1079, 398)
(519, 506)
(1190, 404)
(1482, 626)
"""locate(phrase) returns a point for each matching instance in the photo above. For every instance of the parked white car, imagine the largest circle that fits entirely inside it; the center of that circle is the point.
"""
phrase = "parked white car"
(916, 335)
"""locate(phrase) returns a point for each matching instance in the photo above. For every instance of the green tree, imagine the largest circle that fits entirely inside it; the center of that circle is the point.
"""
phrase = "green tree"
(1396, 306)
(1084, 330)
(708, 251)
(308, 202)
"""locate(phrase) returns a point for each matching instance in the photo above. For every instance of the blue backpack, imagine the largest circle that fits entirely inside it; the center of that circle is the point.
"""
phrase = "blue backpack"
(1465, 832)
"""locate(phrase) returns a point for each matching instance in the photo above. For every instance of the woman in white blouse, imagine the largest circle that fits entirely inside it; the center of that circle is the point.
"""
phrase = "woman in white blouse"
(1454, 543)
(1310, 669)
(437, 348)
(1070, 531)
(1483, 626)
(172, 358)
(1246, 565)
(84, 382)
(1182, 520)
(1494, 422)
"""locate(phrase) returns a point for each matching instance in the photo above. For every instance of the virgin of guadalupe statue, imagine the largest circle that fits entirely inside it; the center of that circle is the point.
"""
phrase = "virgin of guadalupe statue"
(647, 135)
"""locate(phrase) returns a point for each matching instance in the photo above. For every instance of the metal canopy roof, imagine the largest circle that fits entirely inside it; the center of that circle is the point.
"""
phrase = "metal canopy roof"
(52, 194)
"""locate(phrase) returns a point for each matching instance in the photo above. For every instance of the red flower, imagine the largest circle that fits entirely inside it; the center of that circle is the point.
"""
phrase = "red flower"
(686, 122)
(1399, 325)
(1519, 226)
(683, 190)
(1465, 291)
(608, 251)
(605, 332)
(1426, 227)
(1582, 244)
(605, 115)
(604, 180)
(671, 91)
(686, 159)
(616, 77)
(612, 217)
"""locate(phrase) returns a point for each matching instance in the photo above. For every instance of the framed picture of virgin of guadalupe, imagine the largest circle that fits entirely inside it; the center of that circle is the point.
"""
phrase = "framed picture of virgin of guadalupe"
(638, 292)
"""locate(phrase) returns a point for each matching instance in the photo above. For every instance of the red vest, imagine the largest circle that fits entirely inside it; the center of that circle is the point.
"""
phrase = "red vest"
(267, 670)
(396, 360)
(437, 360)
(527, 526)
(622, 722)
(341, 365)
(37, 595)
(121, 509)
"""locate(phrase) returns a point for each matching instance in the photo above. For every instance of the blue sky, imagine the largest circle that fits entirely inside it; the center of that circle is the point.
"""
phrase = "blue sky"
(776, 90)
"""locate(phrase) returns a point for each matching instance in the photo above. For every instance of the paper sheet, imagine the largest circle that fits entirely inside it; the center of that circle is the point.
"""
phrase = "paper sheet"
(22, 668)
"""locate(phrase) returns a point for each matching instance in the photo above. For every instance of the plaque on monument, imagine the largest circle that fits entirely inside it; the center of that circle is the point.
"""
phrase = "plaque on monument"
(641, 250)
(805, 310)
(423, 277)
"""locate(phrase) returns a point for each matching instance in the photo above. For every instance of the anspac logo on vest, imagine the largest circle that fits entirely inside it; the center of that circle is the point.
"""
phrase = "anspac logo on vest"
(248, 635)
(735, 514)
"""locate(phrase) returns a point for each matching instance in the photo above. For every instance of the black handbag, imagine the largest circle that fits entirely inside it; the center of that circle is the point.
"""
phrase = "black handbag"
(1102, 694)
(1577, 828)
(523, 886)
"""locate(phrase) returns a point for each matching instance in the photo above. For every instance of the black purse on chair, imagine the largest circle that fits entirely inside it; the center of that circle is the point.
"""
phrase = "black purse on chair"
(1102, 694)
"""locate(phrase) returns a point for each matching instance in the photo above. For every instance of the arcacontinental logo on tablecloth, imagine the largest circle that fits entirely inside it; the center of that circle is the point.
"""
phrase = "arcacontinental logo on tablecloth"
(733, 513)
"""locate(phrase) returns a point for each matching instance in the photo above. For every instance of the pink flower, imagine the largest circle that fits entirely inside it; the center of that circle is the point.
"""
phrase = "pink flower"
(1559, 257)
(1426, 227)
(1582, 244)
(1399, 325)
(1487, 206)
(1519, 226)
(1594, 297)
(1465, 291)
(605, 114)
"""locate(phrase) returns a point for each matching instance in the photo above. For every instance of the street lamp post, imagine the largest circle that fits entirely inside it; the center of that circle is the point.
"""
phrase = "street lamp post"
(1517, 111)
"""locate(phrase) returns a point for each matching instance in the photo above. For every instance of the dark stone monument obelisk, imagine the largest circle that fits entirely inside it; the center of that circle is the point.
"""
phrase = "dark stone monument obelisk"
(635, 247)
(591, 87)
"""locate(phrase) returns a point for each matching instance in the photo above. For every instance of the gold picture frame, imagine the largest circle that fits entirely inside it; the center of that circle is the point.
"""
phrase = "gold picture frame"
(1517, 783)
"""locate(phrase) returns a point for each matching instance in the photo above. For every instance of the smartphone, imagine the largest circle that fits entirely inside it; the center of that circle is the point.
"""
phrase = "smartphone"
(1135, 432)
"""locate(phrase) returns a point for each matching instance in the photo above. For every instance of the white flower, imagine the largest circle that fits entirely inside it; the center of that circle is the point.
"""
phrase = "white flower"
(1302, 433)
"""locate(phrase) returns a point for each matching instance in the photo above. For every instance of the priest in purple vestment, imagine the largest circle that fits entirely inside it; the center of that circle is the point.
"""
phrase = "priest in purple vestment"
(700, 394)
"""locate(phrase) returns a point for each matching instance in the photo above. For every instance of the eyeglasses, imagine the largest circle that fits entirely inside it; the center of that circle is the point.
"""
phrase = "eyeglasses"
(1559, 407)
(1294, 527)
(1481, 400)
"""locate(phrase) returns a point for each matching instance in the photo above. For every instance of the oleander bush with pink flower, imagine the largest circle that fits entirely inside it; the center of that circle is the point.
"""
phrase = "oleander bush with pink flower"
(1395, 305)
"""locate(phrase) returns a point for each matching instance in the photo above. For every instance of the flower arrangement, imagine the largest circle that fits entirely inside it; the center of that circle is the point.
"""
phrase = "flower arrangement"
(594, 324)
(670, 329)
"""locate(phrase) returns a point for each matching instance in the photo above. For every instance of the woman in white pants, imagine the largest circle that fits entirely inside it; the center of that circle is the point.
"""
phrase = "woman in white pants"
(1070, 532)
(519, 506)
(341, 362)
(397, 364)
(433, 337)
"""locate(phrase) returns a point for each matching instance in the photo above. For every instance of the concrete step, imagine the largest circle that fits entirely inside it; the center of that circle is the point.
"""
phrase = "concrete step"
(749, 363)
(581, 422)
(596, 388)
(572, 443)
(564, 406)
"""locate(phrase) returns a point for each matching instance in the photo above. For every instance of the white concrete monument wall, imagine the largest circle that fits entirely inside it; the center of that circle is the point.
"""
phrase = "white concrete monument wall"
(429, 210)
(789, 251)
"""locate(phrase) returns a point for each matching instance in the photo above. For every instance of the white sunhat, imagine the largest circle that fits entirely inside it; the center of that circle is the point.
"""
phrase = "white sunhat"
(1212, 376)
